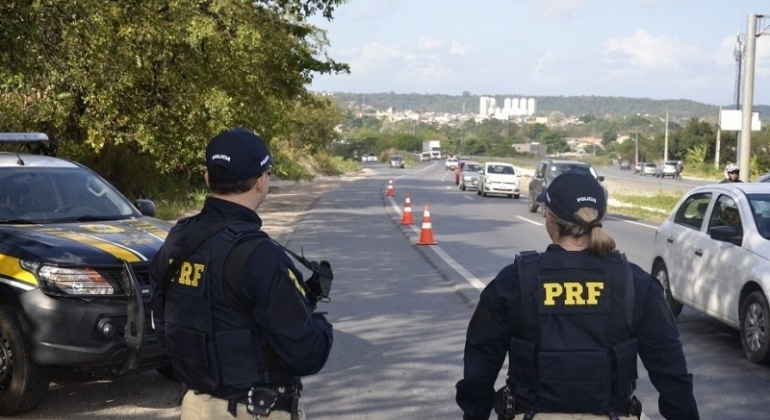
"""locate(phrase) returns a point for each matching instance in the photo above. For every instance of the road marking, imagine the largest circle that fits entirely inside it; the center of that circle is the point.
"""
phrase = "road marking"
(529, 221)
(470, 278)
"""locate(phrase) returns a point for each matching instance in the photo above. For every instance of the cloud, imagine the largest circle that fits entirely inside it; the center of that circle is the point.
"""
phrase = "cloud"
(557, 10)
(375, 10)
(430, 43)
(642, 52)
(546, 70)
(457, 48)
(426, 64)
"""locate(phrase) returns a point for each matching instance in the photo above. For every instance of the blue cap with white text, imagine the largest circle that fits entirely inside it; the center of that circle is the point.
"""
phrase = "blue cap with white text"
(242, 153)
(572, 191)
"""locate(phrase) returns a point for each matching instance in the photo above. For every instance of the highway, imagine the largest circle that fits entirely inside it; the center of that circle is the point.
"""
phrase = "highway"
(400, 310)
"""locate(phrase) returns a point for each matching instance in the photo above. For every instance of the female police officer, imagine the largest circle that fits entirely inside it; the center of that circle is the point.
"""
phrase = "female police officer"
(235, 319)
(573, 320)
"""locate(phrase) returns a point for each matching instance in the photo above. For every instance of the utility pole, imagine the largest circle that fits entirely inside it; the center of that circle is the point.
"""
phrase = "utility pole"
(740, 50)
(719, 139)
(636, 141)
(665, 146)
(748, 96)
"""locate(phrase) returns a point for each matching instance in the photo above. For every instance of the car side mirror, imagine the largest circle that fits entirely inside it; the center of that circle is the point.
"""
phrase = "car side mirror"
(726, 234)
(146, 207)
(601, 178)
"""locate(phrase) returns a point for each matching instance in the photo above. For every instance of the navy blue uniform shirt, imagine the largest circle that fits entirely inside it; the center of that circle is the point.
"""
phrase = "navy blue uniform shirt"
(302, 348)
(659, 346)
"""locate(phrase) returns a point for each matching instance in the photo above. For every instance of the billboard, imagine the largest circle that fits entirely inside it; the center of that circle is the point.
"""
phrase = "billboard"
(732, 120)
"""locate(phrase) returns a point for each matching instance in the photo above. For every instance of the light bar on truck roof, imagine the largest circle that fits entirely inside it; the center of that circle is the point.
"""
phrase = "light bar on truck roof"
(23, 138)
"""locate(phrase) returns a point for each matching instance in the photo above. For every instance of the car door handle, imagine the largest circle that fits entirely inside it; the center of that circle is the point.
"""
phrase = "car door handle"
(699, 252)
(670, 240)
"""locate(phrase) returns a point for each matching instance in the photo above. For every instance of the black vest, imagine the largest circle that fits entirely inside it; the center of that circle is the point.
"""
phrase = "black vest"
(214, 348)
(573, 348)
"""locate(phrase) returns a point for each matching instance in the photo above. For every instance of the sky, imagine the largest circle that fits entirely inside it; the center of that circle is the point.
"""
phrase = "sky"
(657, 49)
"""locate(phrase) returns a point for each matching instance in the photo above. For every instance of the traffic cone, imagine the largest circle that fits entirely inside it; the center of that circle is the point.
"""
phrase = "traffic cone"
(406, 218)
(390, 192)
(426, 233)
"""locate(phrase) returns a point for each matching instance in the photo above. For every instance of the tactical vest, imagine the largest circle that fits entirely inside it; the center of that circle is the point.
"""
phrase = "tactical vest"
(573, 348)
(221, 361)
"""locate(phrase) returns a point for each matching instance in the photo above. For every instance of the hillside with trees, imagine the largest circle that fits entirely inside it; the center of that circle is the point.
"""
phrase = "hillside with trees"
(600, 106)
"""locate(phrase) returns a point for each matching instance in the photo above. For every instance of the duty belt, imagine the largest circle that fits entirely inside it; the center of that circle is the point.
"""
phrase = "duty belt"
(630, 407)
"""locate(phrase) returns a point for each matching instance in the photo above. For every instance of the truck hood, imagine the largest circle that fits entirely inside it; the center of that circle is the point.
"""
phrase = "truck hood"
(81, 244)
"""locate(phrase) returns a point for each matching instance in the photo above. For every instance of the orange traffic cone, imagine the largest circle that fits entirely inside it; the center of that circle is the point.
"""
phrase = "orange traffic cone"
(390, 192)
(426, 233)
(406, 218)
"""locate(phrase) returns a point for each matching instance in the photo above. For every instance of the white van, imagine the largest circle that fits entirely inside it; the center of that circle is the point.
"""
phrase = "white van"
(425, 156)
(499, 178)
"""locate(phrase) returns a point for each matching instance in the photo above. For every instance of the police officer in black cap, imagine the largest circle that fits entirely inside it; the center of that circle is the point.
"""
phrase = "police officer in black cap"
(229, 304)
(572, 320)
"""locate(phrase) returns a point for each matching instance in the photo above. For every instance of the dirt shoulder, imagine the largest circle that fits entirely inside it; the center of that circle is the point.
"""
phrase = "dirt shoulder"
(288, 201)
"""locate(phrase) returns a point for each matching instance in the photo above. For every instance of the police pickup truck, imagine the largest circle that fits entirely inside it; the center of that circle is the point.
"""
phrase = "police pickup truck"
(74, 286)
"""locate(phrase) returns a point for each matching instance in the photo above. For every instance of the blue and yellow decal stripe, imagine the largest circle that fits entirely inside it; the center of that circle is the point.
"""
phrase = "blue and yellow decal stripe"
(149, 228)
(11, 267)
(117, 251)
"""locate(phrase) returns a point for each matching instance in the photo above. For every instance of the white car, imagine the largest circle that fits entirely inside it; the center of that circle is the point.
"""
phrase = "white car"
(713, 254)
(450, 164)
(498, 178)
(369, 157)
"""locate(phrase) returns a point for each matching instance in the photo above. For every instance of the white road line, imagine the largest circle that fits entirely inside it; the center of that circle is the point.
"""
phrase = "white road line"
(470, 278)
(529, 221)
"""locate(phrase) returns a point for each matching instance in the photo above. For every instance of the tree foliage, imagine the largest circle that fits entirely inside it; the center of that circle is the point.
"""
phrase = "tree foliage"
(160, 78)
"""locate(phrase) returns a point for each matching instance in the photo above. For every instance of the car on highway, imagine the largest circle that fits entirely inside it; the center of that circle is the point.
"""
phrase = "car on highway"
(74, 282)
(712, 254)
(469, 178)
(369, 157)
(763, 178)
(459, 169)
(396, 161)
(638, 167)
(649, 168)
(498, 178)
(667, 168)
(625, 164)
(425, 156)
(450, 163)
(547, 170)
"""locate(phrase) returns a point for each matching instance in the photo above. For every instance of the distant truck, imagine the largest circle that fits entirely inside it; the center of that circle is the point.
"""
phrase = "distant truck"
(433, 147)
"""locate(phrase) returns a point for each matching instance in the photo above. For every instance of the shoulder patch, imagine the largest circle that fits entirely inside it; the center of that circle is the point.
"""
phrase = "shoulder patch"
(295, 281)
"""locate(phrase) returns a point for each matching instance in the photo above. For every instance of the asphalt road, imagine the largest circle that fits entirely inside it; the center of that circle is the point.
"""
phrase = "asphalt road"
(400, 310)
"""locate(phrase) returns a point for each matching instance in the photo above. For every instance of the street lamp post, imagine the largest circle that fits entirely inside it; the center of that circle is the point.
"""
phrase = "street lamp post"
(636, 142)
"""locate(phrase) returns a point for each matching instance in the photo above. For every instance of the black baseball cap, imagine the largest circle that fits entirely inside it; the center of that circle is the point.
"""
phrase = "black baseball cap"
(572, 191)
(241, 152)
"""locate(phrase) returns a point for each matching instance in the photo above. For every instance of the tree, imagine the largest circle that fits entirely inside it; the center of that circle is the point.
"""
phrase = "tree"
(117, 79)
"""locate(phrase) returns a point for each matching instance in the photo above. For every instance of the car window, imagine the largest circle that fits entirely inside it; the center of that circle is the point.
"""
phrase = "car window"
(500, 169)
(471, 168)
(692, 212)
(726, 213)
(52, 194)
(557, 170)
(760, 207)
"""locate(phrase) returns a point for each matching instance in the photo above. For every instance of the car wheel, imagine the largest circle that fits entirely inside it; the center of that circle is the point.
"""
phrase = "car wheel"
(532, 204)
(755, 325)
(516, 196)
(661, 273)
(23, 383)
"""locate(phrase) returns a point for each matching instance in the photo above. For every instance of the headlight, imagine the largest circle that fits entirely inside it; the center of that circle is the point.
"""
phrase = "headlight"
(73, 281)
